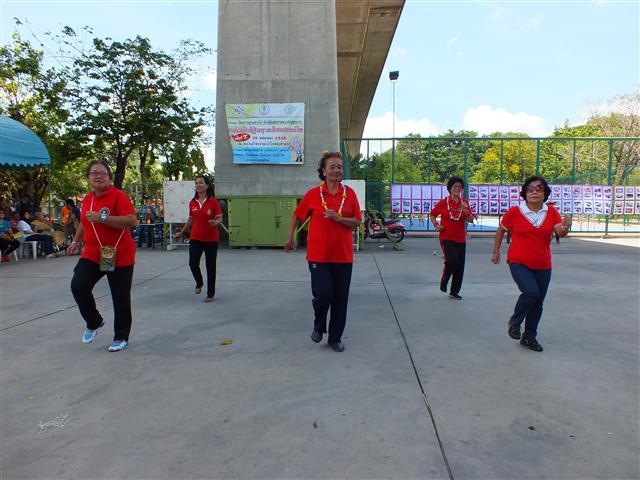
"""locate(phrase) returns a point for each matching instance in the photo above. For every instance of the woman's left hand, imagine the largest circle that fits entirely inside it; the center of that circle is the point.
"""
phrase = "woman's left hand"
(213, 222)
(93, 217)
(331, 214)
(566, 223)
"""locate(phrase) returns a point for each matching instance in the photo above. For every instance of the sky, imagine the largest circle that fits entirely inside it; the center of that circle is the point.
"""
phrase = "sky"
(509, 66)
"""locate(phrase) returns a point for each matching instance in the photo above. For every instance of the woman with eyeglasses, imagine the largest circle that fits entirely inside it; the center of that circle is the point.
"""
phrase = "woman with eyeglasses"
(454, 212)
(106, 220)
(334, 213)
(531, 225)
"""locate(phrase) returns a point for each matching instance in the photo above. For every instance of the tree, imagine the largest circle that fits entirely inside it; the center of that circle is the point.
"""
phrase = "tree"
(35, 97)
(625, 122)
(128, 96)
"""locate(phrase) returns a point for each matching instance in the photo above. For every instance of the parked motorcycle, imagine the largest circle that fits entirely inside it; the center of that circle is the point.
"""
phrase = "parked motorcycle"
(376, 226)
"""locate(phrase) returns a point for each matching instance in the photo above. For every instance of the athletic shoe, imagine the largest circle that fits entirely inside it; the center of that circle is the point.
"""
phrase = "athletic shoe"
(208, 299)
(455, 295)
(316, 336)
(443, 287)
(118, 345)
(198, 290)
(513, 330)
(90, 335)
(531, 344)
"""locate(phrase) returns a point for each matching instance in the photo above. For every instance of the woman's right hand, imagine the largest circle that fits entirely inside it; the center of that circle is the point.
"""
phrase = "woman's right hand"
(71, 249)
(495, 258)
(177, 236)
(289, 246)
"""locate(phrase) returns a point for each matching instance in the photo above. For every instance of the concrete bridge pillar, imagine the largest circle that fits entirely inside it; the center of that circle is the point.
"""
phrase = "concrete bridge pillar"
(274, 51)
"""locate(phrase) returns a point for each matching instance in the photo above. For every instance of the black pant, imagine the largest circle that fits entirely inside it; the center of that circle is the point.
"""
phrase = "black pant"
(145, 231)
(454, 257)
(330, 284)
(85, 276)
(210, 249)
(40, 237)
(8, 246)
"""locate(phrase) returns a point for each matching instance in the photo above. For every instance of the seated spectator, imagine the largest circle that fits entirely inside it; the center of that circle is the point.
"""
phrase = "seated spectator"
(40, 224)
(7, 243)
(28, 235)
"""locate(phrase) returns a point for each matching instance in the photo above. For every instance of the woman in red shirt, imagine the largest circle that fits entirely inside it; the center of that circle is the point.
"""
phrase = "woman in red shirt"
(204, 216)
(454, 212)
(531, 225)
(335, 212)
(106, 219)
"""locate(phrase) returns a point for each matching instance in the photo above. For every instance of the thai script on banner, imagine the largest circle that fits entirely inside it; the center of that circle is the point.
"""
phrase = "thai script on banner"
(412, 199)
(266, 133)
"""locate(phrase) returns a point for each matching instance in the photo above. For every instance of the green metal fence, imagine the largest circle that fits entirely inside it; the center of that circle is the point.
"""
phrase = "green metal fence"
(493, 160)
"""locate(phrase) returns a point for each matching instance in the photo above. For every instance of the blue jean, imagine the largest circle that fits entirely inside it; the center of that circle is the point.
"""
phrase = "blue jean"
(330, 284)
(533, 285)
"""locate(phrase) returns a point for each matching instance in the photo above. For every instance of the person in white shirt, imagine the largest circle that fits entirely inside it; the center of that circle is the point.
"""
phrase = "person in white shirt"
(30, 236)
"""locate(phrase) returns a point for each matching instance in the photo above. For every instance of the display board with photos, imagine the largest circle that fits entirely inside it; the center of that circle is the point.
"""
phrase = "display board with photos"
(416, 199)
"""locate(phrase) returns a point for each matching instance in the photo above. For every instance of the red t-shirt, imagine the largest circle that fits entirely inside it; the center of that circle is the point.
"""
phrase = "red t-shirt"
(530, 244)
(200, 215)
(454, 230)
(328, 241)
(117, 203)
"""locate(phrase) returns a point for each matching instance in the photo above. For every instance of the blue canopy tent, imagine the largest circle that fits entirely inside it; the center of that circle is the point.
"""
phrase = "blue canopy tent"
(22, 148)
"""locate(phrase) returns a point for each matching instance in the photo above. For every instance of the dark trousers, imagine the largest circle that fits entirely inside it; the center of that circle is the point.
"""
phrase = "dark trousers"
(533, 285)
(85, 276)
(454, 258)
(330, 284)
(145, 232)
(40, 237)
(210, 249)
(8, 246)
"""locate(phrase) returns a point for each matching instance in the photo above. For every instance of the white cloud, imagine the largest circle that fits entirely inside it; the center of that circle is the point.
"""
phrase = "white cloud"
(452, 40)
(209, 81)
(531, 24)
(607, 107)
(485, 120)
(382, 127)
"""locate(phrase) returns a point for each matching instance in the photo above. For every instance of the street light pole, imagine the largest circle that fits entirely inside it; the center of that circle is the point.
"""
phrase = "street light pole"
(393, 76)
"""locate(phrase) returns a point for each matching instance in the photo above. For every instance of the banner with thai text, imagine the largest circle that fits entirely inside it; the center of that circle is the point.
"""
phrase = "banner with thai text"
(266, 133)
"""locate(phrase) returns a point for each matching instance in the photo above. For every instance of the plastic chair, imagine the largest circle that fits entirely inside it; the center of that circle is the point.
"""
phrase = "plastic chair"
(34, 248)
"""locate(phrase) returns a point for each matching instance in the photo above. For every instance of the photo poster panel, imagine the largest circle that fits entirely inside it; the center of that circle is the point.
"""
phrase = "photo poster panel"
(488, 199)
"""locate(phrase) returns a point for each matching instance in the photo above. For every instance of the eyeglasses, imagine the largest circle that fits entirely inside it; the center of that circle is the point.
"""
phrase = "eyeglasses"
(535, 188)
(98, 174)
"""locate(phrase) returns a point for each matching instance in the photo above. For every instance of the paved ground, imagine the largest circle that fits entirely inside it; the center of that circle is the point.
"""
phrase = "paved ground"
(428, 387)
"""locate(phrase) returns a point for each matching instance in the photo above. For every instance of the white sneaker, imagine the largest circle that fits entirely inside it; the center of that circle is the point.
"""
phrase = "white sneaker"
(118, 345)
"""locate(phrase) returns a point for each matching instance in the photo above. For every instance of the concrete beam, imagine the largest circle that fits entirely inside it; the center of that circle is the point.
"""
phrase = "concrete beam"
(365, 30)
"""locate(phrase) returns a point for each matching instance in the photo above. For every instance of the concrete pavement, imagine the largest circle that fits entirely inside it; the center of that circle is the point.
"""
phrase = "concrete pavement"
(428, 387)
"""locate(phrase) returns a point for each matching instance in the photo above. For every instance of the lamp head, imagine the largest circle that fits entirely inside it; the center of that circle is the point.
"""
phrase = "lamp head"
(394, 75)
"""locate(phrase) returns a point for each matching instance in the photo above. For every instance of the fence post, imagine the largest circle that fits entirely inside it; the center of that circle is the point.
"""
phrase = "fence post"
(610, 183)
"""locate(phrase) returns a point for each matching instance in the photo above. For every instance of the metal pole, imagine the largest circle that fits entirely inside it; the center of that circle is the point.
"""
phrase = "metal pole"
(393, 108)
(610, 183)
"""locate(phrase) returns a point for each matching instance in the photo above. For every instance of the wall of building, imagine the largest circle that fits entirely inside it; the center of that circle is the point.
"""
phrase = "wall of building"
(277, 52)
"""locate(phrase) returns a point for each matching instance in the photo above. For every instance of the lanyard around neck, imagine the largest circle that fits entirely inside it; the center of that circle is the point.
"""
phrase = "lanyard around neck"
(96, 232)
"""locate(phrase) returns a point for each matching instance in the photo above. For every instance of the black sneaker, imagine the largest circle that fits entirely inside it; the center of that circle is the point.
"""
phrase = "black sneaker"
(455, 295)
(443, 287)
(531, 344)
(513, 330)
(316, 336)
